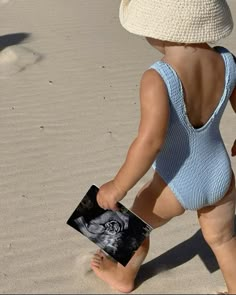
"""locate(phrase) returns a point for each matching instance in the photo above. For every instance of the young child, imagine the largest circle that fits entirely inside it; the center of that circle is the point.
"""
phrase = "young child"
(182, 99)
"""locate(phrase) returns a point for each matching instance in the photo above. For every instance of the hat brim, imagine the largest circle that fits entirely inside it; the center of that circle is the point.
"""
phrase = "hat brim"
(177, 21)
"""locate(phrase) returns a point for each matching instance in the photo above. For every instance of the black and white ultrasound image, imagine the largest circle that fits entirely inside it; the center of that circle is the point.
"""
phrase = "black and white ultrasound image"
(118, 233)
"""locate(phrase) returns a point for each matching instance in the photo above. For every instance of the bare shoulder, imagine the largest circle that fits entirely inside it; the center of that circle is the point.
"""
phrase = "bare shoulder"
(152, 81)
(153, 88)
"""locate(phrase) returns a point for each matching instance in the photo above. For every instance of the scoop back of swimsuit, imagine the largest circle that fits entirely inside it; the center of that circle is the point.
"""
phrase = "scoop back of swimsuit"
(194, 162)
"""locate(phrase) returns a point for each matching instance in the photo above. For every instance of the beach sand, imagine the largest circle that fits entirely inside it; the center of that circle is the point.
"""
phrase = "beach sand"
(69, 80)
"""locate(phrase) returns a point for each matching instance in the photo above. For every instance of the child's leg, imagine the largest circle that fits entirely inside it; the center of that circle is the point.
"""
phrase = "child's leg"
(156, 205)
(217, 223)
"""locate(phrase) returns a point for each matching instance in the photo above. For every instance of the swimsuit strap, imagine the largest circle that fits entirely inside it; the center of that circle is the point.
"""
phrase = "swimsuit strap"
(176, 93)
(173, 85)
(230, 77)
(223, 50)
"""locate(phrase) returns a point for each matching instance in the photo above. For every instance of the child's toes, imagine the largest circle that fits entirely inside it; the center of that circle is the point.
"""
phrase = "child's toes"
(100, 254)
(96, 260)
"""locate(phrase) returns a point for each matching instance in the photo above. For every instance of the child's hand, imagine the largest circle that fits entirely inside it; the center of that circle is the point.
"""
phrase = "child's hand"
(233, 149)
(108, 196)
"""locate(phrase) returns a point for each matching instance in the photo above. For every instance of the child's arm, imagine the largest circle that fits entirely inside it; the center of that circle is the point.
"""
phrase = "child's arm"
(144, 149)
(154, 106)
(233, 104)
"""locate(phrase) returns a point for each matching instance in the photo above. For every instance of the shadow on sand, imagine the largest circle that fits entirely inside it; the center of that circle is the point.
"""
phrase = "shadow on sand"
(179, 255)
(13, 39)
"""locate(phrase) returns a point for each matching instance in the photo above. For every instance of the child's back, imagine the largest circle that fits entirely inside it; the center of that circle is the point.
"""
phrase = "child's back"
(202, 74)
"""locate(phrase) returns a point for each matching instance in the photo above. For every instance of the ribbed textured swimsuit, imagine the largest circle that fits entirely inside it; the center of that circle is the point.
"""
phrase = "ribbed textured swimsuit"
(194, 161)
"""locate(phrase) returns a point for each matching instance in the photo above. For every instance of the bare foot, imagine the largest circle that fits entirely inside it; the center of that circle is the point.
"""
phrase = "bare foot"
(111, 272)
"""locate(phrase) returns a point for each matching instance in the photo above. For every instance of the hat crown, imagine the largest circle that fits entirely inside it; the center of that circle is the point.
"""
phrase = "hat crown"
(187, 21)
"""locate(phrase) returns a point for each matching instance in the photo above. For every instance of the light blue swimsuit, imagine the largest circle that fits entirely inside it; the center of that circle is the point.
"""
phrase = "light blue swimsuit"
(194, 162)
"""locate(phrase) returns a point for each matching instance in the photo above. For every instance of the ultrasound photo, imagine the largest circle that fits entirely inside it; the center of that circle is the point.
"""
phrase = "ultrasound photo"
(118, 233)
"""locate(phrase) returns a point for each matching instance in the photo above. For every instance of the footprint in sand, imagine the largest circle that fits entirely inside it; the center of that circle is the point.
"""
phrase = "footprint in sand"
(82, 264)
(16, 58)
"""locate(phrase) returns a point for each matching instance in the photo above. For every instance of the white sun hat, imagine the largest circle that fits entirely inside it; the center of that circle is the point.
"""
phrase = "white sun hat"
(183, 21)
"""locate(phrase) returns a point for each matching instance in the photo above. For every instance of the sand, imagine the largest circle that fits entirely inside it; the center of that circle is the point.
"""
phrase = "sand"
(69, 80)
